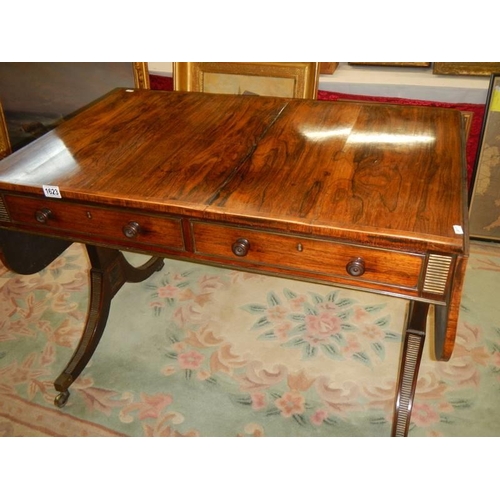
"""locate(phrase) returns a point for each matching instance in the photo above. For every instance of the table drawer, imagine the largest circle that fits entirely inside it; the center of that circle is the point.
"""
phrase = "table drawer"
(310, 255)
(53, 216)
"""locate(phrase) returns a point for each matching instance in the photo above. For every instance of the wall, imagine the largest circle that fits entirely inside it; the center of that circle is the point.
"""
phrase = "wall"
(408, 83)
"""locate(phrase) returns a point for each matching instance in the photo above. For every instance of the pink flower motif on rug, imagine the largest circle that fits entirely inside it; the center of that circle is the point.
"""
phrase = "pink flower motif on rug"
(327, 325)
(424, 415)
(291, 403)
(190, 360)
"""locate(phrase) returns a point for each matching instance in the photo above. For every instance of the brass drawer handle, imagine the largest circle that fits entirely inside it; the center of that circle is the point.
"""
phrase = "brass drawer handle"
(43, 215)
(356, 267)
(131, 230)
(241, 247)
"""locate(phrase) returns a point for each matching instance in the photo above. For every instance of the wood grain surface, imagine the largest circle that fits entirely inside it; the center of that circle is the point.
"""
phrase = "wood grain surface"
(377, 174)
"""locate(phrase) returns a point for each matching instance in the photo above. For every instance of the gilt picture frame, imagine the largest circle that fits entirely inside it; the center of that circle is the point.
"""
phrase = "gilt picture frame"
(141, 75)
(283, 79)
(394, 64)
(484, 195)
(466, 68)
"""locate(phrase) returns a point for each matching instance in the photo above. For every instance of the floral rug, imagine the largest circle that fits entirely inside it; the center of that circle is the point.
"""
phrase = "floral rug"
(201, 351)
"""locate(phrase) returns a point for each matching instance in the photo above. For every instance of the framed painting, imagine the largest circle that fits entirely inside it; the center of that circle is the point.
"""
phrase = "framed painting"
(290, 79)
(397, 64)
(37, 96)
(466, 68)
(484, 197)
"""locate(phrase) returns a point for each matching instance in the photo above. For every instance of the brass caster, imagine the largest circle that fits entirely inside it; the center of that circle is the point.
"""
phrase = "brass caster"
(61, 399)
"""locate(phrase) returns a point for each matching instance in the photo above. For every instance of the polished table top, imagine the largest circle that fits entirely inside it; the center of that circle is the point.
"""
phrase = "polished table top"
(390, 176)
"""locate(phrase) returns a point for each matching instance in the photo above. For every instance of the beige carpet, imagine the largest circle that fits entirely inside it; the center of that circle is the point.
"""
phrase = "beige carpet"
(201, 351)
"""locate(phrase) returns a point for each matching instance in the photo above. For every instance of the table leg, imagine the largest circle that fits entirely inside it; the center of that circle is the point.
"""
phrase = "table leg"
(109, 271)
(409, 366)
(441, 316)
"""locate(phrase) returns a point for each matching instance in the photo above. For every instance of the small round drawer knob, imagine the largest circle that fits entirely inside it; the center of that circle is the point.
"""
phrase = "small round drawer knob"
(356, 267)
(131, 230)
(241, 247)
(43, 215)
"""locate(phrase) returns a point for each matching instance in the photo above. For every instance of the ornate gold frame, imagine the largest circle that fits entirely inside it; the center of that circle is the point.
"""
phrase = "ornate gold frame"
(302, 77)
(141, 75)
(5, 148)
(466, 68)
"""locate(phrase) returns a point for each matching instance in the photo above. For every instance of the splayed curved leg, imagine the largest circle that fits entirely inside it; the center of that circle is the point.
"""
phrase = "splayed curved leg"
(138, 274)
(409, 366)
(109, 271)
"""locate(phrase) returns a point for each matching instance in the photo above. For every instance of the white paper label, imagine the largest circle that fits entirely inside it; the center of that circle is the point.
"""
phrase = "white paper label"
(51, 191)
(458, 229)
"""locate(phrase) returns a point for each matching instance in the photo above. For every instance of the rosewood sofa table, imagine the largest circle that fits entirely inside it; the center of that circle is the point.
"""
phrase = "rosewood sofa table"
(365, 196)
